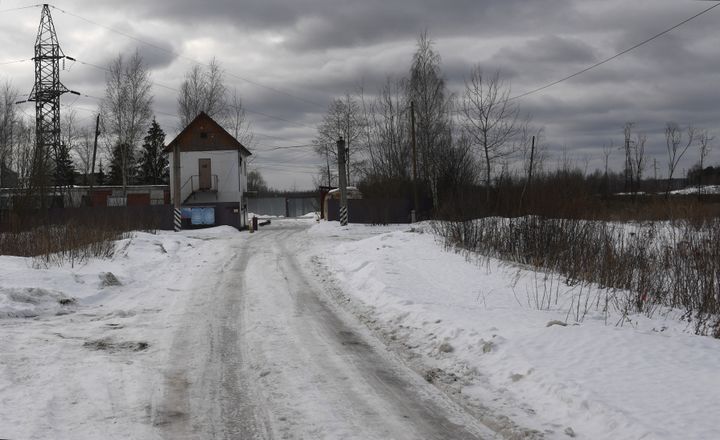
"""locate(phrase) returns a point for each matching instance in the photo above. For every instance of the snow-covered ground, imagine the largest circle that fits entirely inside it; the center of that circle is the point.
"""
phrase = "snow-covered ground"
(477, 324)
(705, 189)
(84, 350)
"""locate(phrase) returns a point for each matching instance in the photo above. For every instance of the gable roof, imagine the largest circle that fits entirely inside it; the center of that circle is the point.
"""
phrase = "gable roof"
(204, 134)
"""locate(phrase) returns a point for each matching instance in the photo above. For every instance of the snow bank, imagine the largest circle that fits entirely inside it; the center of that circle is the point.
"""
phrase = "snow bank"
(30, 302)
(480, 324)
(90, 360)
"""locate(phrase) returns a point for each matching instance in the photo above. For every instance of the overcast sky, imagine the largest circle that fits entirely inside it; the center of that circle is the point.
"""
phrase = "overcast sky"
(306, 52)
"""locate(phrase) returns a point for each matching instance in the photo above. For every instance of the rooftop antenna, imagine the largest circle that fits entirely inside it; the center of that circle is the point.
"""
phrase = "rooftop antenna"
(46, 96)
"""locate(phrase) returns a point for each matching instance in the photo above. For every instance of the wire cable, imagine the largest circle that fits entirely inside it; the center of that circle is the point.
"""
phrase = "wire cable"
(619, 54)
(185, 57)
(299, 124)
(19, 8)
(4, 63)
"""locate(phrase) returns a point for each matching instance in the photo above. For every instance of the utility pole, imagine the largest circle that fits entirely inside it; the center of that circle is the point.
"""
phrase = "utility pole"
(343, 182)
(413, 214)
(92, 167)
(177, 215)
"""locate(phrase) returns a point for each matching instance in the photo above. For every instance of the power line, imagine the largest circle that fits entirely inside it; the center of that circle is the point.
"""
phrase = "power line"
(288, 147)
(299, 124)
(283, 170)
(270, 147)
(600, 63)
(105, 69)
(312, 166)
(4, 63)
(177, 90)
(19, 8)
(172, 52)
(272, 137)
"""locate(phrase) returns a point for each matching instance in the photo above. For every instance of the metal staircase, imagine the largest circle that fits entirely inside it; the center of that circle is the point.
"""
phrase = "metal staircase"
(196, 189)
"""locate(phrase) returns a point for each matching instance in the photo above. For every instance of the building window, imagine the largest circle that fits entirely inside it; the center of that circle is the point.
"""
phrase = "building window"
(203, 134)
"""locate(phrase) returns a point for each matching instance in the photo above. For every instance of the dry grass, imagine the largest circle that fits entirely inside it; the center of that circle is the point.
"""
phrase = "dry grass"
(70, 236)
(638, 266)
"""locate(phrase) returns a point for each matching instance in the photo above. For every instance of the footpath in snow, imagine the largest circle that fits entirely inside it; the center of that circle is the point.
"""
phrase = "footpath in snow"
(472, 328)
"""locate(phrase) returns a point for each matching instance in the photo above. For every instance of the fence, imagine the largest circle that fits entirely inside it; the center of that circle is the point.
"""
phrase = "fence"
(282, 206)
(122, 217)
(373, 211)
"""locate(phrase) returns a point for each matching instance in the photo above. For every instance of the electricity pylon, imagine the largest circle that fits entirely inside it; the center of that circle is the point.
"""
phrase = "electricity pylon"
(46, 95)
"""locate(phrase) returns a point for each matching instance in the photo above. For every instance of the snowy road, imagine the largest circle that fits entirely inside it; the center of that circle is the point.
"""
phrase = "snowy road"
(261, 354)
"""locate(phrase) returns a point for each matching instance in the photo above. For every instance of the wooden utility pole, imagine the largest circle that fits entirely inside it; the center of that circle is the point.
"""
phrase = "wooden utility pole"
(92, 167)
(343, 182)
(413, 215)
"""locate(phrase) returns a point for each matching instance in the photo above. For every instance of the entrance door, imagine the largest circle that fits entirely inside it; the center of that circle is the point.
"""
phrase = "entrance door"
(205, 174)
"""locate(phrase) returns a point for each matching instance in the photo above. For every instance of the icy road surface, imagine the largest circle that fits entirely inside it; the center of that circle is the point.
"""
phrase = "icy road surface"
(269, 357)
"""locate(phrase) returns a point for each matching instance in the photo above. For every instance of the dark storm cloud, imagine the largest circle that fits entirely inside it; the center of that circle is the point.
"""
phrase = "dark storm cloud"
(324, 24)
(308, 52)
(160, 55)
(549, 49)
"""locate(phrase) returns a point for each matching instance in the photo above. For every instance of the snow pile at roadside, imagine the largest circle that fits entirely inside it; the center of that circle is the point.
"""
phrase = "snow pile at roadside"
(30, 302)
(83, 349)
(481, 329)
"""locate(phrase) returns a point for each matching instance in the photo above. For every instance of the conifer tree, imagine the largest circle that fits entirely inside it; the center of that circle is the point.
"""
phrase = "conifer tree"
(116, 176)
(153, 168)
(64, 169)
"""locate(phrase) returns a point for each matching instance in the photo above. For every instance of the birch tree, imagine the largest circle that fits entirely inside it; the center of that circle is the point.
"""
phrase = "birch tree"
(8, 125)
(126, 109)
(203, 90)
(490, 119)
(427, 89)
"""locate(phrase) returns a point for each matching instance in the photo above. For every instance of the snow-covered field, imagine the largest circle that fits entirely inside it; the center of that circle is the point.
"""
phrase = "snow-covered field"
(706, 189)
(82, 349)
(477, 326)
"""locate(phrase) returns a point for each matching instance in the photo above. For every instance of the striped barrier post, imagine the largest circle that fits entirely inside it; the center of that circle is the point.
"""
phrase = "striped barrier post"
(177, 219)
(343, 216)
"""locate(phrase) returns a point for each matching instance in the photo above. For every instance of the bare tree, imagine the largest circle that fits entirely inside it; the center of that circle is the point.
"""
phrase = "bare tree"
(8, 123)
(387, 133)
(126, 108)
(343, 119)
(203, 90)
(237, 121)
(84, 151)
(21, 152)
(705, 145)
(427, 90)
(491, 119)
(634, 157)
(677, 145)
(256, 181)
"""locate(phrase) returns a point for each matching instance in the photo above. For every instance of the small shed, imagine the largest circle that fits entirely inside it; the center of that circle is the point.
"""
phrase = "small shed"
(352, 194)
